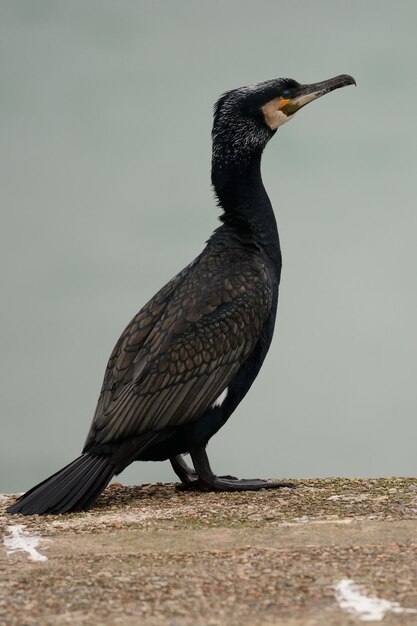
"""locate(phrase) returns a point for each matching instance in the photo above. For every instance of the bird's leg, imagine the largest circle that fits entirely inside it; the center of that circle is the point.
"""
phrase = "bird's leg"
(186, 474)
(207, 481)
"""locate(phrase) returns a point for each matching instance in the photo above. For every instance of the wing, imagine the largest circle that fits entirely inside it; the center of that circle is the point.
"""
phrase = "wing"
(119, 367)
(209, 327)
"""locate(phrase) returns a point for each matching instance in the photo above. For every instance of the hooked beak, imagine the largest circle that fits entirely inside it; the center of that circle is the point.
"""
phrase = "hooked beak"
(308, 93)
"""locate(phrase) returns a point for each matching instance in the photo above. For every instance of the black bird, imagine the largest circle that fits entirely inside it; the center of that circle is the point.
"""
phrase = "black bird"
(188, 358)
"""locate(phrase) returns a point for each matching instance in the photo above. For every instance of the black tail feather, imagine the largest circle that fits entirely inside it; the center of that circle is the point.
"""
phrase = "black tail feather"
(54, 484)
(92, 487)
(67, 490)
(74, 488)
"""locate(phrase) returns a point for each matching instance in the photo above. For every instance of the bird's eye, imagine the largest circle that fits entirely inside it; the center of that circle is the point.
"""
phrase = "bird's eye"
(286, 94)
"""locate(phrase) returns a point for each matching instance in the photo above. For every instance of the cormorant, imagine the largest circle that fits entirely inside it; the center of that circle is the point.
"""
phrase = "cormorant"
(188, 358)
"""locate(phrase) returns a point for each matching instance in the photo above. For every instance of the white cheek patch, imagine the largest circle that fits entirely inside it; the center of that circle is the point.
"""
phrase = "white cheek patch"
(222, 397)
(273, 116)
(279, 119)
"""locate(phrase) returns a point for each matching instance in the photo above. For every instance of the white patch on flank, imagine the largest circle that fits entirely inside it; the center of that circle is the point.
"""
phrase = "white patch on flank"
(222, 397)
(21, 541)
(366, 608)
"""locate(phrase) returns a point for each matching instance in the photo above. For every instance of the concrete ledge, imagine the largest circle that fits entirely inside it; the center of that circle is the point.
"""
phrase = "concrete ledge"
(154, 555)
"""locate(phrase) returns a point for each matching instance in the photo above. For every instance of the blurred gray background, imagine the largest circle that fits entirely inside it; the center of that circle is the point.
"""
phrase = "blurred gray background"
(106, 111)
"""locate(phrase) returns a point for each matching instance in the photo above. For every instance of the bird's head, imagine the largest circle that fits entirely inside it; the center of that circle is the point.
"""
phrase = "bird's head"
(246, 118)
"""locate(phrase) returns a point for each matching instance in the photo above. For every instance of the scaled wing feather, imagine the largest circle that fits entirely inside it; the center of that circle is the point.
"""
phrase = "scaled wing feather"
(182, 350)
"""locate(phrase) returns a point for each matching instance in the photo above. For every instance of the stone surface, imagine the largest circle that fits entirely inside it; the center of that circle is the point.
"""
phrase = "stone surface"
(153, 555)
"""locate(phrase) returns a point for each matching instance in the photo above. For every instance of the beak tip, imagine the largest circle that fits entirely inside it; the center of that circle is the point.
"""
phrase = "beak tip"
(349, 80)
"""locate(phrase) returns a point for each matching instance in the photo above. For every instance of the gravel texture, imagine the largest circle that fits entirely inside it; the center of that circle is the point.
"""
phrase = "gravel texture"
(154, 555)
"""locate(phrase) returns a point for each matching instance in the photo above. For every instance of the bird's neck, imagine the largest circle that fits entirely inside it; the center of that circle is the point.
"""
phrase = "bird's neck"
(243, 198)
